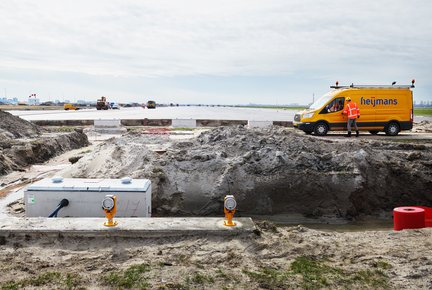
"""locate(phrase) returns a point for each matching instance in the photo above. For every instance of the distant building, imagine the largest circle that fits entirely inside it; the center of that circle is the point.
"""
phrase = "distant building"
(7, 101)
(33, 101)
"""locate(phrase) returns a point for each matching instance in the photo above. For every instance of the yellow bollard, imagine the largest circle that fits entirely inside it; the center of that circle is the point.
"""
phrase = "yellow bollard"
(109, 205)
(230, 205)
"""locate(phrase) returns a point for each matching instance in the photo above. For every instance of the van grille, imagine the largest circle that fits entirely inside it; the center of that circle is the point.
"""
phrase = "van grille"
(297, 117)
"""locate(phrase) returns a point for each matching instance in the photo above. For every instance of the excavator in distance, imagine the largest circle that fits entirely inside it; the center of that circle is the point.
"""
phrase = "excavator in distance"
(102, 104)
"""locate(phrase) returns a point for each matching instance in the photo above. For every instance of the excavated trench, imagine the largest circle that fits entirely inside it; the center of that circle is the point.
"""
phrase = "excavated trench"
(270, 171)
(23, 143)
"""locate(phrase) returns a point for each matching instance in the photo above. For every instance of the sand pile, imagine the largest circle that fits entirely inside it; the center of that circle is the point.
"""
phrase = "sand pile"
(12, 127)
(423, 127)
(270, 171)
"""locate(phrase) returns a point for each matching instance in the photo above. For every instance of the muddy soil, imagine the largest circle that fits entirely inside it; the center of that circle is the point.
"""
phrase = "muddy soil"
(277, 258)
(22, 143)
(270, 171)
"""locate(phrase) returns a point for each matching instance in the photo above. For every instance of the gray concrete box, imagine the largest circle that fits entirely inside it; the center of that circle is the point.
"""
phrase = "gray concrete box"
(85, 197)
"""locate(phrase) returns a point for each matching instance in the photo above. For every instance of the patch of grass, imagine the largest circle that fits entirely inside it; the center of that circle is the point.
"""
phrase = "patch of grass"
(130, 278)
(199, 278)
(270, 278)
(174, 286)
(86, 151)
(10, 285)
(315, 274)
(382, 265)
(376, 279)
(28, 107)
(44, 279)
(221, 274)
(68, 281)
(423, 111)
(72, 280)
(311, 273)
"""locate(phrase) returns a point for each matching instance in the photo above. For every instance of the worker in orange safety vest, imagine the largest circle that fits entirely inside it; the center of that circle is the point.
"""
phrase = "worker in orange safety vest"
(353, 112)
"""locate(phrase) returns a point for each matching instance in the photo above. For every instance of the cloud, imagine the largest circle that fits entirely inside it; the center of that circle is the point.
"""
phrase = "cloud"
(165, 39)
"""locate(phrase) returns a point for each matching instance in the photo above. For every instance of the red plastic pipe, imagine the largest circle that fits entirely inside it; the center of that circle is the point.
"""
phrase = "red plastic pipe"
(428, 215)
(408, 217)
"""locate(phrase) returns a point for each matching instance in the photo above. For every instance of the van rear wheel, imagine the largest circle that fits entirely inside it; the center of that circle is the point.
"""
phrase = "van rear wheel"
(392, 129)
(321, 129)
(374, 132)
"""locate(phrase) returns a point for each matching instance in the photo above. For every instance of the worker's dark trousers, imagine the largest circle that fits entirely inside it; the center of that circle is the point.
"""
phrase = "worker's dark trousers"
(350, 123)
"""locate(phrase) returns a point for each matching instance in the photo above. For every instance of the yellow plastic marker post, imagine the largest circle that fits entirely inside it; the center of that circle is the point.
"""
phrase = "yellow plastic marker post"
(109, 205)
(230, 205)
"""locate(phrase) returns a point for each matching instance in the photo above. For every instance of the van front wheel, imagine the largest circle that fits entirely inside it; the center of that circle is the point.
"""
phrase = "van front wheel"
(392, 129)
(321, 129)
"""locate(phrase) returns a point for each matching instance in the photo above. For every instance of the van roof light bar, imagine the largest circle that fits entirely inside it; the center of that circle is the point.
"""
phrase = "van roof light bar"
(374, 86)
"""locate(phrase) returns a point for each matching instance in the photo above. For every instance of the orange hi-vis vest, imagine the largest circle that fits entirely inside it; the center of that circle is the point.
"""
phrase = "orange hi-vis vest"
(352, 110)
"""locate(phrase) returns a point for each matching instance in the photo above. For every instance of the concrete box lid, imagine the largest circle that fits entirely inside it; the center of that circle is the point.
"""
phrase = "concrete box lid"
(91, 185)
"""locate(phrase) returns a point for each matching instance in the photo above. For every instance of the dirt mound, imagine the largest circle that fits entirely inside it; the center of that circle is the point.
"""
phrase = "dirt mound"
(270, 171)
(12, 127)
(16, 155)
(423, 127)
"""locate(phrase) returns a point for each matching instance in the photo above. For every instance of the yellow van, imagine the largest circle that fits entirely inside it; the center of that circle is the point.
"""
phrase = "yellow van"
(68, 107)
(382, 108)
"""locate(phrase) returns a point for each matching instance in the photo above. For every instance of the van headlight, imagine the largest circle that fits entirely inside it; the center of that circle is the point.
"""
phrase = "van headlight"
(308, 115)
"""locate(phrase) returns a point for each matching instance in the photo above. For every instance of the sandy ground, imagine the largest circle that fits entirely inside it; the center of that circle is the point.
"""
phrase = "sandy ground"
(274, 258)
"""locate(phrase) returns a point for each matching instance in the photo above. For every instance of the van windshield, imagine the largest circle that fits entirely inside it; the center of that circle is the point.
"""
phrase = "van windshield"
(320, 102)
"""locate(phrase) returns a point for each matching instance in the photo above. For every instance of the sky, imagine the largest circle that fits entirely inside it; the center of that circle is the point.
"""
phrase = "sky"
(211, 52)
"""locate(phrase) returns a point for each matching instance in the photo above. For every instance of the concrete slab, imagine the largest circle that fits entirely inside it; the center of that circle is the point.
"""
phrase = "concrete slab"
(259, 124)
(183, 123)
(127, 227)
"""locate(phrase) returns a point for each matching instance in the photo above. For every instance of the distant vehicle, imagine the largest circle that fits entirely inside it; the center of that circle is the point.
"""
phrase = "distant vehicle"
(382, 108)
(151, 104)
(102, 104)
(47, 104)
(68, 107)
(114, 106)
